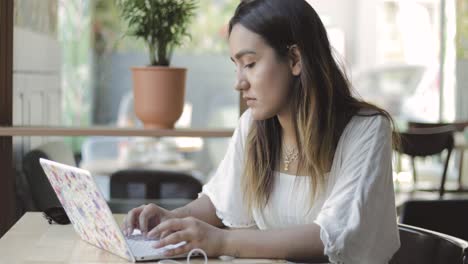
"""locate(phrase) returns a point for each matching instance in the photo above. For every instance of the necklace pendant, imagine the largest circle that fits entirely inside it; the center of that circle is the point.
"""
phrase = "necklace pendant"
(291, 155)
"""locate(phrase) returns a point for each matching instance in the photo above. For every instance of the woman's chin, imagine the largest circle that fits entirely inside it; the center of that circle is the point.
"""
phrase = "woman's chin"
(259, 115)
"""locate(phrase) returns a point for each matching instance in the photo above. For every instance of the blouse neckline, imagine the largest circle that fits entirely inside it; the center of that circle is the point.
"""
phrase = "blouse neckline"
(289, 175)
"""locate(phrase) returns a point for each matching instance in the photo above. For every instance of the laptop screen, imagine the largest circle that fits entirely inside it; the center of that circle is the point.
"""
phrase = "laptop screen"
(86, 207)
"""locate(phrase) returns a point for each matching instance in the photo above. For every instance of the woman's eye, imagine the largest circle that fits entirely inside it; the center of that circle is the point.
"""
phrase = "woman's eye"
(250, 65)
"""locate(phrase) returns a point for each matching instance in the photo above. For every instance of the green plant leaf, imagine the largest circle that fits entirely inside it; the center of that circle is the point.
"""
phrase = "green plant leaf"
(162, 24)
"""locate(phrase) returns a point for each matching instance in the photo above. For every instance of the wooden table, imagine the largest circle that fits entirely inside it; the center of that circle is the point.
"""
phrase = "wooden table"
(33, 240)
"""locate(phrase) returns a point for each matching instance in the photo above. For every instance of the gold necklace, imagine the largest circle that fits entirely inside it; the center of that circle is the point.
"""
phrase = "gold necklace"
(291, 154)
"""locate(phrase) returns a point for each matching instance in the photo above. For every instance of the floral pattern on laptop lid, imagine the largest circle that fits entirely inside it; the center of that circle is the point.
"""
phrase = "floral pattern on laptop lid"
(86, 207)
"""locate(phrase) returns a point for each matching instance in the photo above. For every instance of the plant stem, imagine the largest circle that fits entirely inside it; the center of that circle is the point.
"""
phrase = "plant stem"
(163, 60)
(152, 51)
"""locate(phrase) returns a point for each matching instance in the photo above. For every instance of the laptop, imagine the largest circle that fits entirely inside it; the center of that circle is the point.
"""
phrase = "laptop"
(91, 217)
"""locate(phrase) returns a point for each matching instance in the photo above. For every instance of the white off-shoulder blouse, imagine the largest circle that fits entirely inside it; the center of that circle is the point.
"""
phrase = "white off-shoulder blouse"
(355, 210)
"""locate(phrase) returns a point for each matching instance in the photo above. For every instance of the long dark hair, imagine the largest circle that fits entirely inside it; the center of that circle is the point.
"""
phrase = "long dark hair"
(321, 96)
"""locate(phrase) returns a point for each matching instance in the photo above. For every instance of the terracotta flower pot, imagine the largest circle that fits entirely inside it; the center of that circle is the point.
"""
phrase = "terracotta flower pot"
(159, 95)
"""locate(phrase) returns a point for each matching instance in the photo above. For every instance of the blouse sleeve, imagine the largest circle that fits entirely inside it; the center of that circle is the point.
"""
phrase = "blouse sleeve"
(358, 219)
(224, 188)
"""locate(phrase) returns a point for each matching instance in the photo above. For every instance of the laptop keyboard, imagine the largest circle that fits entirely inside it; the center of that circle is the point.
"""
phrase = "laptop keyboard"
(141, 246)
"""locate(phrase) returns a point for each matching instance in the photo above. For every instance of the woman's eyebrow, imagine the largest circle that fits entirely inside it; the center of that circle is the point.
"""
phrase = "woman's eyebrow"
(242, 53)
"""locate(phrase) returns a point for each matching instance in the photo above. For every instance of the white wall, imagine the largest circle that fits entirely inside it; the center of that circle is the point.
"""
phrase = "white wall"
(462, 89)
(357, 18)
(461, 64)
(36, 86)
(366, 34)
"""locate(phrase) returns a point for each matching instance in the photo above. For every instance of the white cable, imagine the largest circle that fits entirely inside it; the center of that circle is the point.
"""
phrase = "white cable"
(195, 250)
(199, 250)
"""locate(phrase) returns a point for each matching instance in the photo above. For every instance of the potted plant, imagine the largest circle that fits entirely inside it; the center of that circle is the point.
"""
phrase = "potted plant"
(159, 90)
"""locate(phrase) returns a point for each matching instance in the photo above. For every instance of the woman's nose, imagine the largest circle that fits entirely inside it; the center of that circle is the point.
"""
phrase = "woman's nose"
(241, 85)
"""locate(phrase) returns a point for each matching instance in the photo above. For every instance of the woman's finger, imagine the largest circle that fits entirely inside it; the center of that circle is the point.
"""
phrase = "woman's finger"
(148, 212)
(130, 221)
(174, 238)
(170, 225)
(164, 234)
(179, 250)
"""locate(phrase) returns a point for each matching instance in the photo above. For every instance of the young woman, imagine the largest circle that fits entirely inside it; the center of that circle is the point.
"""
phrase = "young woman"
(307, 174)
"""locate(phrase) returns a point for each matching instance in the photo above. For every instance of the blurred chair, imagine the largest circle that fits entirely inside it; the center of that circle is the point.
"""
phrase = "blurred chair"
(424, 142)
(41, 191)
(423, 246)
(133, 187)
(446, 216)
(459, 127)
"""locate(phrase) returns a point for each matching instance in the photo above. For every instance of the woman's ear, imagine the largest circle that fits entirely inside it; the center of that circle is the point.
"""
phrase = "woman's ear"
(295, 61)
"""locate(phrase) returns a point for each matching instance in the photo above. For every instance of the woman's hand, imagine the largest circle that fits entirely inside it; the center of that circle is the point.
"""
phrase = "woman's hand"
(196, 233)
(145, 218)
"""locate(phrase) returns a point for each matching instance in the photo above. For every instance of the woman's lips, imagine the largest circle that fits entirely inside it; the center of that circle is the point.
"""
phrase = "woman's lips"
(249, 101)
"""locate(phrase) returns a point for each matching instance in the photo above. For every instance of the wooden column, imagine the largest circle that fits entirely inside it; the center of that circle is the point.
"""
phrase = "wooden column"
(461, 63)
(7, 180)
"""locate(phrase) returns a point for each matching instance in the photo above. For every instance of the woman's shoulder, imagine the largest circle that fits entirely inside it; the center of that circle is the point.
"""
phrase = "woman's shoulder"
(245, 121)
(364, 130)
(242, 130)
(368, 121)
(246, 117)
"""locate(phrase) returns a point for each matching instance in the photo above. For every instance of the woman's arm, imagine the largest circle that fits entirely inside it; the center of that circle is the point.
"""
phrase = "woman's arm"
(201, 208)
(146, 217)
(294, 243)
(298, 243)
